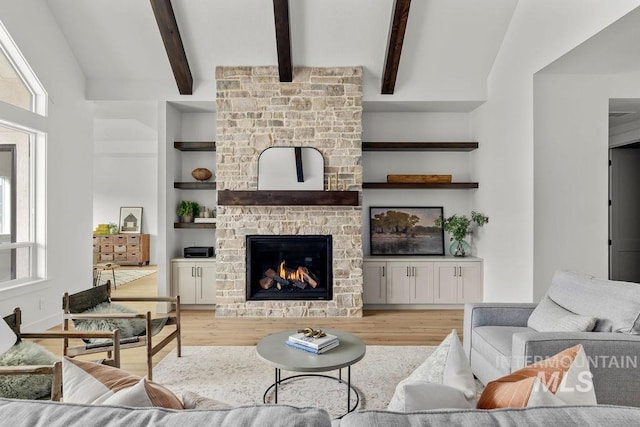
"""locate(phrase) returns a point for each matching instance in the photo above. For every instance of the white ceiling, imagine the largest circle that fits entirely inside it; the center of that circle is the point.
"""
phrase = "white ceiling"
(449, 47)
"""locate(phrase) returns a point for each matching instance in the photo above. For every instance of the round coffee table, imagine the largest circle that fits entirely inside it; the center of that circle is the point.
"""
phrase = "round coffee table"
(274, 351)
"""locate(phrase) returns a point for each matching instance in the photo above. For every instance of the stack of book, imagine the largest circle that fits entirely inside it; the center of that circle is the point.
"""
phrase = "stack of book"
(313, 345)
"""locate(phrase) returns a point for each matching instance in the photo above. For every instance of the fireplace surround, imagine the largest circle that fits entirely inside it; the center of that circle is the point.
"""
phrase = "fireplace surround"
(289, 267)
(320, 109)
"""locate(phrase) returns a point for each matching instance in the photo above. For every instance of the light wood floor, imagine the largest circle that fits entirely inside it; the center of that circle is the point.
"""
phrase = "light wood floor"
(202, 328)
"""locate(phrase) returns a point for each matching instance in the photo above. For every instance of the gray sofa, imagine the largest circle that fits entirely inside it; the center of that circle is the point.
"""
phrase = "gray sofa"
(19, 413)
(501, 338)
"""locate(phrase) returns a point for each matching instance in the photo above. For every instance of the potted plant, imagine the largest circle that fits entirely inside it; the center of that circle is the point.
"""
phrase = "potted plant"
(187, 210)
(458, 228)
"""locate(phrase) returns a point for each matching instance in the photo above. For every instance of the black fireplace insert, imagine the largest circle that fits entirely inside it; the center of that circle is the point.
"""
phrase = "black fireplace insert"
(289, 267)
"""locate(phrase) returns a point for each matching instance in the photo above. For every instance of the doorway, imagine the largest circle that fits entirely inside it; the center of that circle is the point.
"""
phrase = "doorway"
(624, 213)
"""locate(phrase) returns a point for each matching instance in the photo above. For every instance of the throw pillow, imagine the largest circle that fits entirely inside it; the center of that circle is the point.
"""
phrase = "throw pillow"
(192, 400)
(445, 372)
(551, 317)
(563, 379)
(128, 327)
(33, 387)
(91, 383)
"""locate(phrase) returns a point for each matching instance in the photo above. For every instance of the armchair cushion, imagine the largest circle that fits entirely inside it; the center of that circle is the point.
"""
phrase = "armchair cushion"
(585, 295)
(494, 343)
(26, 353)
(550, 317)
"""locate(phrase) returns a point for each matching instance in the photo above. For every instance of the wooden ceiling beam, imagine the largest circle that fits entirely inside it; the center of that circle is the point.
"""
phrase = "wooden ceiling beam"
(394, 46)
(283, 39)
(168, 27)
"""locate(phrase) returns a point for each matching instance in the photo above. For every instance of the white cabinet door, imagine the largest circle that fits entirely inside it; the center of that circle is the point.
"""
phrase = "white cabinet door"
(374, 282)
(445, 282)
(422, 273)
(206, 283)
(184, 281)
(399, 280)
(469, 282)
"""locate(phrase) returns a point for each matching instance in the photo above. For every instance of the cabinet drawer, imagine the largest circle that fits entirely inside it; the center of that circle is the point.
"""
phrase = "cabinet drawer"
(106, 257)
(96, 248)
(119, 248)
(133, 256)
(134, 239)
(106, 247)
(119, 239)
(133, 248)
(120, 256)
(107, 239)
(96, 240)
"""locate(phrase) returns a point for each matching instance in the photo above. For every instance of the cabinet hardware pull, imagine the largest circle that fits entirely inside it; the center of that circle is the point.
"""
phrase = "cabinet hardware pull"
(407, 271)
(460, 272)
(193, 272)
(199, 271)
(455, 271)
(382, 271)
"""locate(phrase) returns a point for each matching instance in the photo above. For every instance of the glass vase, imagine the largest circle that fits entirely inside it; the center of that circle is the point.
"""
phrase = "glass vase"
(460, 248)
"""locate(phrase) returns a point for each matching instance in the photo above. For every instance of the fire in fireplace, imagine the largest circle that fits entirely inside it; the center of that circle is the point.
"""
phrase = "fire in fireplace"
(289, 268)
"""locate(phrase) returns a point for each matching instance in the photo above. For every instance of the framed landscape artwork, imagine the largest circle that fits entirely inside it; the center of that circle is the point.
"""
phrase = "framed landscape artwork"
(405, 231)
(130, 220)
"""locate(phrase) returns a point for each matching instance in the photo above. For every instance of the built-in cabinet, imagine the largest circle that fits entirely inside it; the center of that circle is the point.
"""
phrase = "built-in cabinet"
(194, 280)
(441, 280)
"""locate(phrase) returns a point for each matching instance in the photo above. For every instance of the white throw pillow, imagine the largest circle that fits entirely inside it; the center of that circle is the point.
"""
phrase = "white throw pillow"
(444, 380)
(548, 316)
(92, 383)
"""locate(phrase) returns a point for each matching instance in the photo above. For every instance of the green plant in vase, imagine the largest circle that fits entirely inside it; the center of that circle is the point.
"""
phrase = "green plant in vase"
(187, 210)
(458, 228)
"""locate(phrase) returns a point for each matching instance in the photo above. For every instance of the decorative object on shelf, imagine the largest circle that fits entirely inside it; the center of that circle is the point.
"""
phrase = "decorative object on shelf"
(130, 220)
(113, 228)
(458, 228)
(419, 179)
(187, 210)
(406, 231)
(201, 174)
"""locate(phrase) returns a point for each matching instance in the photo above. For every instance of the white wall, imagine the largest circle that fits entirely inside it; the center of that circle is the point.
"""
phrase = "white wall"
(68, 222)
(540, 32)
(571, 153)
(416, 127)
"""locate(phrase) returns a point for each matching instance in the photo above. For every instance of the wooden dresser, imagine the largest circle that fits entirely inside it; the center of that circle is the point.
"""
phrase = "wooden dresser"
(121, 249)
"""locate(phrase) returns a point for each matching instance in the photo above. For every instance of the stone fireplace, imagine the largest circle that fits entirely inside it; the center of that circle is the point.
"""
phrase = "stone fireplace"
(322, 109)
(289, 268)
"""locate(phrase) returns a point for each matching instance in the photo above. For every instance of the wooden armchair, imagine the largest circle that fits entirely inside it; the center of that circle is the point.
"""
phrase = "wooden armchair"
(78, 306)
(15, 320)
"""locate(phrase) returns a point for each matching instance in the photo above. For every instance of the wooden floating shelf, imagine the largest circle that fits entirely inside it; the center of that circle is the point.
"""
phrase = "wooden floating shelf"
(195, 146)
(194, 225)
(288, 198)
(419, 146)
(195, 185)
(420, 186)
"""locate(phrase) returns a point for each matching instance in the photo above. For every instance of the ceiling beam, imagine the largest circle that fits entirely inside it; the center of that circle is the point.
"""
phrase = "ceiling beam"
(394, 47)
(283, 39)
(168, 27)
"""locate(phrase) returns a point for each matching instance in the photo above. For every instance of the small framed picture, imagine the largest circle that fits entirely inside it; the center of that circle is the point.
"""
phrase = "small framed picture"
(130, 220)
(406, 231)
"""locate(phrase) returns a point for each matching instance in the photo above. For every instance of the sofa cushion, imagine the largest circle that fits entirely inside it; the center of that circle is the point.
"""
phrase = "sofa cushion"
(616, 304)
(550, 317)
(559, 380)
(494, 343)
(87, 382)
(445, 373)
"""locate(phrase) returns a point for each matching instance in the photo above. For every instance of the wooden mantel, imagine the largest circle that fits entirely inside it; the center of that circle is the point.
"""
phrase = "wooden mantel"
(288, 198)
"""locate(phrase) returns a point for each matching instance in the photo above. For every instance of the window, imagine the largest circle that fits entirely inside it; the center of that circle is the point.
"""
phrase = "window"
(20, 259)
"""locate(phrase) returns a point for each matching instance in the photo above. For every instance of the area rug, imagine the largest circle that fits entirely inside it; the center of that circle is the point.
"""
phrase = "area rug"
(124, 275)
(237, 376)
